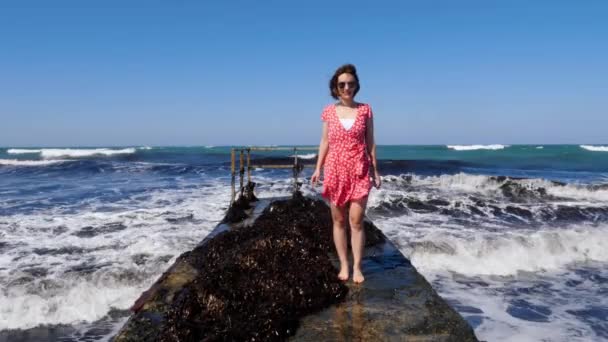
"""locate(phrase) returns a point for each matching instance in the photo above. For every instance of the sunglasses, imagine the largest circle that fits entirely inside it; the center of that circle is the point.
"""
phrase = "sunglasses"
(341, 85)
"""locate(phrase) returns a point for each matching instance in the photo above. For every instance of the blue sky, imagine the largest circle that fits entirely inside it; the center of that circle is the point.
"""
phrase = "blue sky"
(104, 73)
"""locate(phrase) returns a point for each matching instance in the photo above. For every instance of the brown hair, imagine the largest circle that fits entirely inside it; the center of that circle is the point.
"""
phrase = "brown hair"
(333, 82)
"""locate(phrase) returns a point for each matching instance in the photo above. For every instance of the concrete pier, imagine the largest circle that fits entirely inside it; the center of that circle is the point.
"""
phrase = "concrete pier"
(395, 303)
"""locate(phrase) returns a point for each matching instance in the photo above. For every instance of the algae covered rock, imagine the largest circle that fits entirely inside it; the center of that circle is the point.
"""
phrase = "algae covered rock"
(250, 283)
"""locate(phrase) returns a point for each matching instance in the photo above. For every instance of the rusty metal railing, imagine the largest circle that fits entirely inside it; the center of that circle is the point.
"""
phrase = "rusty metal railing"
(297, 166)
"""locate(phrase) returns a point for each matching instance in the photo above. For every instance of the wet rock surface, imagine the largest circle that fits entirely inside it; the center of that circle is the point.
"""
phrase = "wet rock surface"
(395, 303)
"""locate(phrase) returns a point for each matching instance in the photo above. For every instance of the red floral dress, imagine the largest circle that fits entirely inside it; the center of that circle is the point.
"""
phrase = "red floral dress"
(346, 168)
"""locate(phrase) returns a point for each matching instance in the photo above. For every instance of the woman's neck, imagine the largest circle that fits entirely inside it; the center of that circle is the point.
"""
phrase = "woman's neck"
(348, 103)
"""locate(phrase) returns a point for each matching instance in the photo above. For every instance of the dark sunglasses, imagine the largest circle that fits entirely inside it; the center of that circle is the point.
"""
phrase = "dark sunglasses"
(341, 85)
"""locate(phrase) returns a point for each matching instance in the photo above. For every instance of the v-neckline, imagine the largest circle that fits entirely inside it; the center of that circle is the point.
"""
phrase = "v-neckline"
(355, 118)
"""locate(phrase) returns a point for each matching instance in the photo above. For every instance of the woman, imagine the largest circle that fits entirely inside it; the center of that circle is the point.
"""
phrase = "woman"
(347, 153)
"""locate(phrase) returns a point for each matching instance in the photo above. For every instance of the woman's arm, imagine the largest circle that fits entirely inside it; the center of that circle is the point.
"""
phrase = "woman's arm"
(323, 148)
(371, 151)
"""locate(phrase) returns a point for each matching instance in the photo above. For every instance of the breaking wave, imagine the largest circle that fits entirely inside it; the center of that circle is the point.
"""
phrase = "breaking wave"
(510, 252)
(595, 148)
(306, 156)
(52, 153)
(15, 162)
(476, 147)
(21, 151)
(519, 189)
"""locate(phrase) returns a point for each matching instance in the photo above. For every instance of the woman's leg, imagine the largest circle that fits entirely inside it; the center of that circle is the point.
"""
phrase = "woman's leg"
(356, 212)
(338, 217)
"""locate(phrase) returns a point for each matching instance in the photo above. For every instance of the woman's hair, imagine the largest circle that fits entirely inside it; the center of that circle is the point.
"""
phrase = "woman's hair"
(333, 82)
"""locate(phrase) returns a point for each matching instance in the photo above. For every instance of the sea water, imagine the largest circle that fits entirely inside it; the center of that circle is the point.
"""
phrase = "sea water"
(515, 238)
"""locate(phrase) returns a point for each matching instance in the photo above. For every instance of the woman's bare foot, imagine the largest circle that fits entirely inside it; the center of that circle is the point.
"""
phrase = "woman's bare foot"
(343, 275)
(358, 277)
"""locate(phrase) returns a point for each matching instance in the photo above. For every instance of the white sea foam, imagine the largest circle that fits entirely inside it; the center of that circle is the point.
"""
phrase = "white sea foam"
(510, 265)
(595, 148)
(15, 162)
(497, 294)
(510, 252)
(539, 147)
(65, 300)
(21, 151)
(51, 153)
(476, 147)
(82, 153)
(306, 156)
(123, 262)
(440, 248)
(491, 186)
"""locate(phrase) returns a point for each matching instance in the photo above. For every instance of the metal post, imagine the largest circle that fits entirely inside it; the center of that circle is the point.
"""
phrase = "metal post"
(241, 170)
(248, 166)
(295, 170)
(233, 173)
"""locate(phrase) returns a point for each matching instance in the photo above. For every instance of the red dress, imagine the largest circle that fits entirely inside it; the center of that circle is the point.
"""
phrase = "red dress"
(346, 168)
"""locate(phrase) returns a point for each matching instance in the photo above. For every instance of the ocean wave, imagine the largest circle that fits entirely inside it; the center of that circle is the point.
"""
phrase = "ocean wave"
(21, 151)
(515, 188)
(595, 148)
(452, 232)
(15, 162)
(50, 153)
(78, 265)
(306, 156)
(70, 300)
(83, 153)
(511, 252)
(476, 147)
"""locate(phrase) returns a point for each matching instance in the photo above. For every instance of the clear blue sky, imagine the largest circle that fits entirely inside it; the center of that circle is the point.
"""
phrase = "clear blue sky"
(104, 73)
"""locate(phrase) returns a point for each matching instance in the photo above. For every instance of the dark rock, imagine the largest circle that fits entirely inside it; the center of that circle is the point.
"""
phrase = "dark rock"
(236, 212)
(391, 207)
(519, 193)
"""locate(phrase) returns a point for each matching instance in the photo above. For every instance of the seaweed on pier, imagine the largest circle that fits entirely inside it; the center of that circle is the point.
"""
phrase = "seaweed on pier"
(254, 283)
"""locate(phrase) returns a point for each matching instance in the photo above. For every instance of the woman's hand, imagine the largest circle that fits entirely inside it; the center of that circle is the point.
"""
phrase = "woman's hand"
(376, 179)
(314, 179)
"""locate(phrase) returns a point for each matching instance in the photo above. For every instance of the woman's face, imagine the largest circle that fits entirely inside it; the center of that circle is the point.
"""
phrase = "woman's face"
(347, 84)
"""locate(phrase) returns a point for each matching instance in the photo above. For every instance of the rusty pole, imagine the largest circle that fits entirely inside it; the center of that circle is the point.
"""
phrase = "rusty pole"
(248, 166)
(295, 170)
(233, 173)
(241, 170)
